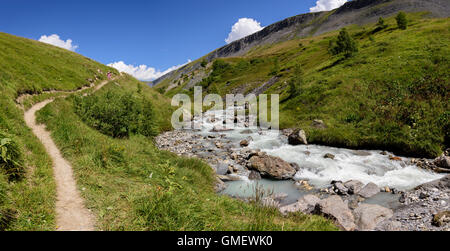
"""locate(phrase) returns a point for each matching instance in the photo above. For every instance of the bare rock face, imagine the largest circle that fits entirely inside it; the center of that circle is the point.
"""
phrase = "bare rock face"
(369, 190)
(353, 186)
(335, 209)
(369, 216)
(298, 137)
(272, 167)
(305, 205)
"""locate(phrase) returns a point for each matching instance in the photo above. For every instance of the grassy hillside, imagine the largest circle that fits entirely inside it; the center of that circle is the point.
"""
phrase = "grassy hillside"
(131, 185)
(393, 94)
(27, 189)
(125, 179)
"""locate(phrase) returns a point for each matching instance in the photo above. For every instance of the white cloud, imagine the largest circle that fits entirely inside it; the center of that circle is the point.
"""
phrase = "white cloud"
(56, 41)
(143, 72)
(243, 28)
(325, 5)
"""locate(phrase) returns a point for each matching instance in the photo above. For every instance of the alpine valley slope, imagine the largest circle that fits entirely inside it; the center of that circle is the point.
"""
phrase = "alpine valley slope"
(393, 94)
(126, 182)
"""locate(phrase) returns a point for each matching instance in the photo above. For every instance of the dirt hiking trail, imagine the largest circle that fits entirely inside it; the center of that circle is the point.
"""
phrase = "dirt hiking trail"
(71, 213)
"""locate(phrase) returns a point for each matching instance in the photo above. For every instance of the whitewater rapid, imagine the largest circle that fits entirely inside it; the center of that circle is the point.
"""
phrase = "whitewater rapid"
(363, 165)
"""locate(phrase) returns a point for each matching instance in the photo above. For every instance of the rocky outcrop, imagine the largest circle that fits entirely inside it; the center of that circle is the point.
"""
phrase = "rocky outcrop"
(271, 167)
(298, 137)
(357, 12)
(335, 209)
(368, 216)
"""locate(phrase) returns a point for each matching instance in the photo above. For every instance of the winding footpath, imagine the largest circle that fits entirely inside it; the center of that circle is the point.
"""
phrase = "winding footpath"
(72, 214)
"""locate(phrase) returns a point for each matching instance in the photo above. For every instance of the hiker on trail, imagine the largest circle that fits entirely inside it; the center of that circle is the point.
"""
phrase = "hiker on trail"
(109, 75)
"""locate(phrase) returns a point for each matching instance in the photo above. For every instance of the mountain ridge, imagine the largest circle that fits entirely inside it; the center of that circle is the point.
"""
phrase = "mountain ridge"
(312, 24)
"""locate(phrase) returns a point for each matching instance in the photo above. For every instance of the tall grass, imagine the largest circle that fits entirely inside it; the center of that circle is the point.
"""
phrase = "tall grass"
(131, 185)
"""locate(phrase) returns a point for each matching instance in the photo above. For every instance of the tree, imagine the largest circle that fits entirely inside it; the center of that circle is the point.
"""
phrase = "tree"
(402, 22)
(381, 25)
(344, 44)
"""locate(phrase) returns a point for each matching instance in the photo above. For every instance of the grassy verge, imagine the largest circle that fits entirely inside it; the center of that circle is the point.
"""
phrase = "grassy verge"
(27, 66)
(131, 185)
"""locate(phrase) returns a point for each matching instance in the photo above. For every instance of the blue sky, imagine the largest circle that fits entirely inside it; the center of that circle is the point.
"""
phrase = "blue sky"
(157, 34)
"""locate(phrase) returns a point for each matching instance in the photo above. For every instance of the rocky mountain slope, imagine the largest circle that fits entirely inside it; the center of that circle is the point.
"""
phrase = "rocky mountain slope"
(357, 12)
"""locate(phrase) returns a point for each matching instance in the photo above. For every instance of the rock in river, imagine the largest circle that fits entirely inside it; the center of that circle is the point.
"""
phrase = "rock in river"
(369, 190)
(353, 186)
(272, 167)
(298, 137)
(335, 209)
(442, 162)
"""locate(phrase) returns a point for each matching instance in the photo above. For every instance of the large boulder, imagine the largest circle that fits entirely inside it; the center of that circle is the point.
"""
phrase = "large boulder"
(305, 205)
(298, 137)
(335, 209)
(369, 190)
(221, 168)
(254, 175)
(369, 216)
(353, 186)
(272, 167)
(442, 162)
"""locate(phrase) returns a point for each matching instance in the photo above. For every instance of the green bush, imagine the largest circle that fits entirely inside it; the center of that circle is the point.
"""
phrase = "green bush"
(118, 114)
(402, 22)
(381, 25)
(344, 44)
(11, 160)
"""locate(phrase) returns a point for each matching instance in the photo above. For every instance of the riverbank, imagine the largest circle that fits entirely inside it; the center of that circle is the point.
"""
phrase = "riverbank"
(241, 157)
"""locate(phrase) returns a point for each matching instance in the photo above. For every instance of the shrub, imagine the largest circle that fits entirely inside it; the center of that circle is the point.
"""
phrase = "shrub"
(11, 160)
(381, 25)
(402, 22)
(117, 113)
(344, 44)
(276, 67)
(204, 63)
